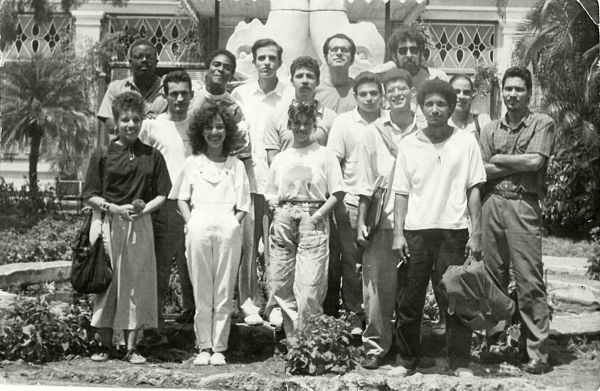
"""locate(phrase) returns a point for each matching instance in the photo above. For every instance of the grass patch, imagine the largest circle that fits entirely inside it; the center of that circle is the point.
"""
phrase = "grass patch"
(565, 247)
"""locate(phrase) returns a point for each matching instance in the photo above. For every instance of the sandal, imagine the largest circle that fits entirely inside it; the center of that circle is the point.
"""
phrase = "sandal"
(134, 357)
(102, 355)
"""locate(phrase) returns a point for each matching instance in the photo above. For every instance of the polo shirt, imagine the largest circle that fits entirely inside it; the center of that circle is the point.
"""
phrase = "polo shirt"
(436, 177)
(258, 107)
(279, 137)
(155, 101)
(534, 134)
(337, 98)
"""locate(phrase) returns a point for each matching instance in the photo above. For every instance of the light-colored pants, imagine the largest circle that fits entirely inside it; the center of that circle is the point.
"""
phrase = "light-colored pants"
(213, 249)
(380, 291)
(298, 266)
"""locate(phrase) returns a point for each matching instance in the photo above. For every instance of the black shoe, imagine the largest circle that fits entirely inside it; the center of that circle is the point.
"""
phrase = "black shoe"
(425, 362)
(535, 366)
(371, 362)
(187, 316)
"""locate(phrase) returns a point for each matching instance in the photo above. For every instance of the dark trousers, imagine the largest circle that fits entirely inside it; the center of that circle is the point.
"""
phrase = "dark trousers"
(511, 236)
(169, 243)
(428, 248)
(344, 254)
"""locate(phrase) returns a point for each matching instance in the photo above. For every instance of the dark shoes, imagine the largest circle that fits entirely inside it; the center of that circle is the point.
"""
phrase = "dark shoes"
(187, 316)
(425, 362)
(371, 362)
(535, 366)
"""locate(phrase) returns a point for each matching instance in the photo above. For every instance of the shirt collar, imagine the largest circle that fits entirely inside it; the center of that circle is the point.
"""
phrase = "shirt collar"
(279, 89)
(386, 118)
(525, 121)
(208, 95)
(156, 86)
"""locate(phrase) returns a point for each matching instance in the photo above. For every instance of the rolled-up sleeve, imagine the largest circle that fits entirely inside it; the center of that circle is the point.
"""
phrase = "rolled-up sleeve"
(401, 183)
(542, 141)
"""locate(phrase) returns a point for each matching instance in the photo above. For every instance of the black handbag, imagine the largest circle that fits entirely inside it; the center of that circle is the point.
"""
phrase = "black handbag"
(91, 270)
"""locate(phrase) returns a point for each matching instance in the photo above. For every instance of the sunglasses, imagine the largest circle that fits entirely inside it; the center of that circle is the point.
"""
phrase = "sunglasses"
(414, 50)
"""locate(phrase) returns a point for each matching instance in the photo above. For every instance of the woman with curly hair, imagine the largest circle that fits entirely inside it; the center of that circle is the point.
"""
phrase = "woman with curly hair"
(304, 183)
(213, 196)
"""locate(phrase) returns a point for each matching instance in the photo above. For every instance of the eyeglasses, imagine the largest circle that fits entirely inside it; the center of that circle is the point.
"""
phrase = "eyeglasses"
(414, 50)
(335, 49)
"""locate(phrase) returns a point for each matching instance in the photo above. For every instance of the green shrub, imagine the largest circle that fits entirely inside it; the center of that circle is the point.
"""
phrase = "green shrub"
(48, 240)
(22, 202)
(38, 330)
(321, 346)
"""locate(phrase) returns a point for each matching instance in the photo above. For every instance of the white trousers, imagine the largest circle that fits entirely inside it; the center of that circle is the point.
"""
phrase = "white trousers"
(213, 249)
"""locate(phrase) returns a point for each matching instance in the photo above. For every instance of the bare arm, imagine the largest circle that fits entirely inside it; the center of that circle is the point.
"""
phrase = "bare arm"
(239, 215)
(400, 209)
(474, 206)
(363, 207)
(324, 210)
(527, 162)
(184, 209)
(271, 153)
(494, 171)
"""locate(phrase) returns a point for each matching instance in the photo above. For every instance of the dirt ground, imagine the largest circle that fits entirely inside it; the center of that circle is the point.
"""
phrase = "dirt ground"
(256, 363)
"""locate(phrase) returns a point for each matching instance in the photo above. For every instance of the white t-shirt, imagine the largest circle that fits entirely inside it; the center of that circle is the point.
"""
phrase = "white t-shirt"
(170, 138)
(258, 108)
(304, 174)
(201, 182)
(436, 178)
(344, 137)
(482, 118)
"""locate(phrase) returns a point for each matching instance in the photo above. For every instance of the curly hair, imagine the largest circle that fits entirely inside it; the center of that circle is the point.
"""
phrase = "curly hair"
(201, 119)
(437, 86)
(305, 62)
(402, 34)
(128, 101)
(298, 108)
(366, 77)
(178, 76)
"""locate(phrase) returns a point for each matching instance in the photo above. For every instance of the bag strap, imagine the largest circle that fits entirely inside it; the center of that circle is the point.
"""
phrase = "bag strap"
(477, 125)
(393, 148)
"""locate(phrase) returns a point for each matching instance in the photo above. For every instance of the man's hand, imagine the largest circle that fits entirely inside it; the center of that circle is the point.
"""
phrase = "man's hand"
(401, 247)
(474, 247)
(316, 218)
(363, 232)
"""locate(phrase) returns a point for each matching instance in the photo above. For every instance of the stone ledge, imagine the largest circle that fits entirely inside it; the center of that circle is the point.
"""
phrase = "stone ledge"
(568, 265)
(34, 273)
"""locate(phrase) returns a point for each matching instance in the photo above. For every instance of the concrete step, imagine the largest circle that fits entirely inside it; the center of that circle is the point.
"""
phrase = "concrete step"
(587, 323)
(34, 273)
(565, 265)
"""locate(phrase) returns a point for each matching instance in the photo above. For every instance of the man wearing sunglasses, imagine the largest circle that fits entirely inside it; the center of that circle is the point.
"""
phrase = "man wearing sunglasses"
(406, 47)
(335, 89)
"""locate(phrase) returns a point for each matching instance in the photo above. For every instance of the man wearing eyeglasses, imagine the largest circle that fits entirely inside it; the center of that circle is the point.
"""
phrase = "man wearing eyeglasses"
(406, 47)
(335, 89)
(143, 80)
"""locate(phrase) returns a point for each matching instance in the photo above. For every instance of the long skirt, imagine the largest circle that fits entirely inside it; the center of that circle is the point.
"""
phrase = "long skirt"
(129, 303)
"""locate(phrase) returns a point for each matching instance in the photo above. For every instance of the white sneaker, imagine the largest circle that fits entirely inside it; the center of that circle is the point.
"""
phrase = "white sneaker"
(253, 320)
(276, 318)
(217, 359)
(202, 358)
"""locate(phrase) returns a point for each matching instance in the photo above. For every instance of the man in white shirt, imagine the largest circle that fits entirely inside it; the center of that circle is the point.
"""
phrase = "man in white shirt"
(168, 133)
(336, 88)
(436, 181)
(345, 137)
(259, 99)
(376, 157)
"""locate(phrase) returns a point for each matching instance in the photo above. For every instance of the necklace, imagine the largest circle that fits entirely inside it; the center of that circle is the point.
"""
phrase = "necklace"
(131, 155)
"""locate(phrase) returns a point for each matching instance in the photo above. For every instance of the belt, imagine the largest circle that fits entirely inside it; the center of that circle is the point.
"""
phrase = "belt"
(514, 195)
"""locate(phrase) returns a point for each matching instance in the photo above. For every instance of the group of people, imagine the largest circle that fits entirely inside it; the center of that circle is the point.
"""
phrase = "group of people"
(295, 166)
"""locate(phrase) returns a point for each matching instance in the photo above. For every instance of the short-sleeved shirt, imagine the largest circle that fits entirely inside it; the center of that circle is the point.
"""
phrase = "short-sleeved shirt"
(482, 119)
(170, 138)
(279, 137)
(258, 108)
(375, 159)
(127, 173)
(346, 134)
(338, 98)
(534, 134)
(155, 101)
(199, 183)
(436, 177)
(304, 174)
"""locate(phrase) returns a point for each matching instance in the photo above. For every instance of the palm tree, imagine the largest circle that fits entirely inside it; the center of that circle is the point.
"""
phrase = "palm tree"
(559, 38)
(44, 103)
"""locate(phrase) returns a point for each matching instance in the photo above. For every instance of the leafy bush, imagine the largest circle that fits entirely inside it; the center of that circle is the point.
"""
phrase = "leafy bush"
(594, 261)
(322, 345)
(46, 241)
(22, 202)
(39, 330)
